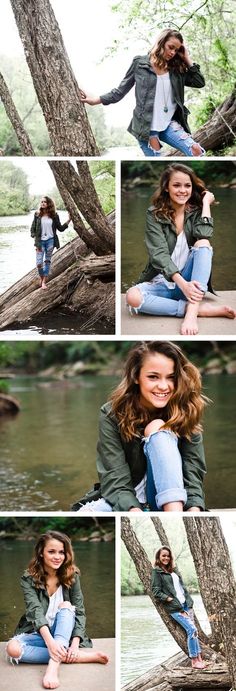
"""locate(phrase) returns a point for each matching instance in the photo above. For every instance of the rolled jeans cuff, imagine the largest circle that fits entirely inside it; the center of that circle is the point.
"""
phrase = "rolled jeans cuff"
(170, 495)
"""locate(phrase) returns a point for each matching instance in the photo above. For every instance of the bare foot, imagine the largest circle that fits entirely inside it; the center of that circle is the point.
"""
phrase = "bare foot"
(197, 664)
(50, 679)
(189, 326)
(208, 310)
(43, 286)
(90, 656)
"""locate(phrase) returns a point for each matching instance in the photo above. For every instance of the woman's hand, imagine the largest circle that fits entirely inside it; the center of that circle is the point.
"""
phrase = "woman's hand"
(91, 100)
(135, 508)
(194, 509)
(169, 598)
(208, 197)
(184, 54)
(192, 291)
(72, 651)
(56, 651)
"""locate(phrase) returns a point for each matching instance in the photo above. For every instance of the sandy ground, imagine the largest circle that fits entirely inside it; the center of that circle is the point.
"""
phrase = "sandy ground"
(92, 677)
(148, 326)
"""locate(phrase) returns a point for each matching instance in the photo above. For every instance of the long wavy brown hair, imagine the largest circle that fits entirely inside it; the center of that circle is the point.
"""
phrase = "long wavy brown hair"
(183, 412)
(161, 198)
(170, 567)
(176, 64)
(67, 570)
(51, 209)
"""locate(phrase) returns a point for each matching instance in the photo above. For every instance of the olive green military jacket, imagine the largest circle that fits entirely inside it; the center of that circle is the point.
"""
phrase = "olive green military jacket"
(36, 229)
(161, 238)
(163, 587)
(121, 465)
(142, 75)
(37, 602)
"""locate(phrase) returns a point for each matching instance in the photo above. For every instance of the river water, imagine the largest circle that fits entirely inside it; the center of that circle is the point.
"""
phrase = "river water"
(134, 256)
(96, 563)
(145, 640)
(48, 451)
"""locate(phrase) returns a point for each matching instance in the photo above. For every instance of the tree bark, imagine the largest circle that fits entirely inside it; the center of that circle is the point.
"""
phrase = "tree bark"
(220, 130)
(53, 78)
(15, 119)
(144, 570)
(216, 581)
(102, 267)
(212, 678)
(81, 188)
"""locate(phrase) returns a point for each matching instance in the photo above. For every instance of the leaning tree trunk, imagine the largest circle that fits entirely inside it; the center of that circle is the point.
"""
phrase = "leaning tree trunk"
(81, 188)
(144, 570)
(216, 580)
(220, 130)
(165, 543)
(53, 78)
(15, 119)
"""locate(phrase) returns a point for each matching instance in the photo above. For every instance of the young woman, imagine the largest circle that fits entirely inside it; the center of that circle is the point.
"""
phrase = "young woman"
(52, 630)
(178, 229)
(150, 449)
(44, 231)
(168, 587)
(159, 79)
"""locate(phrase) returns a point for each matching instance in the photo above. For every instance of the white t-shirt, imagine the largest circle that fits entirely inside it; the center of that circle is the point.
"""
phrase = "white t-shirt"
(54, 602)
(164, 105)
(179, 257)
(178, 588)
(46, 228)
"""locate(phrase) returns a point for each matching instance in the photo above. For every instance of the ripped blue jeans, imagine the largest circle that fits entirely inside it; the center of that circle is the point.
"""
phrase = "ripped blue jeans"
(160, 300)
(164, 470)
(175, 136)
(44, 256)
(194, 648)
(34, 649)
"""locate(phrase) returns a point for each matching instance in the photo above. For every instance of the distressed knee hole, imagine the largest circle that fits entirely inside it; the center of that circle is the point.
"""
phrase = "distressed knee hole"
(196, 149)
(66, 605)
(134, 297)
(154, 144)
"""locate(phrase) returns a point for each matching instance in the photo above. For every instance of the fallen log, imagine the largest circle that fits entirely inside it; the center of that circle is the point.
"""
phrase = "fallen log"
(220, 130)
(156, 677)
(25, 301)
(212, 677)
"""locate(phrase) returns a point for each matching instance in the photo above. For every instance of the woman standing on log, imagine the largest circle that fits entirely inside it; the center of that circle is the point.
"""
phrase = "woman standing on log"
(177, 275)
(150, 450)
(159, 78)
(44, 231)
(52, 630)
(169, 589)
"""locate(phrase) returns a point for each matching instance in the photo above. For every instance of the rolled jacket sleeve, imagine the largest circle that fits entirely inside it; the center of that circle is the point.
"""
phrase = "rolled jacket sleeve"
(194, 77)
(60, 226)
(33, 227)
(113, 469)
(34, 611)
(194, 470)
(124, 87)
(157, 247)
(156, 585)
(202, 227)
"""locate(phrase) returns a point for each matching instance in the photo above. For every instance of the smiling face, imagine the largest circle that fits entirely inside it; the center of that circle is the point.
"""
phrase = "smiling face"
(53, 555)
(179, 188)
(164, 557)
(156, 381)
(171, 47)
